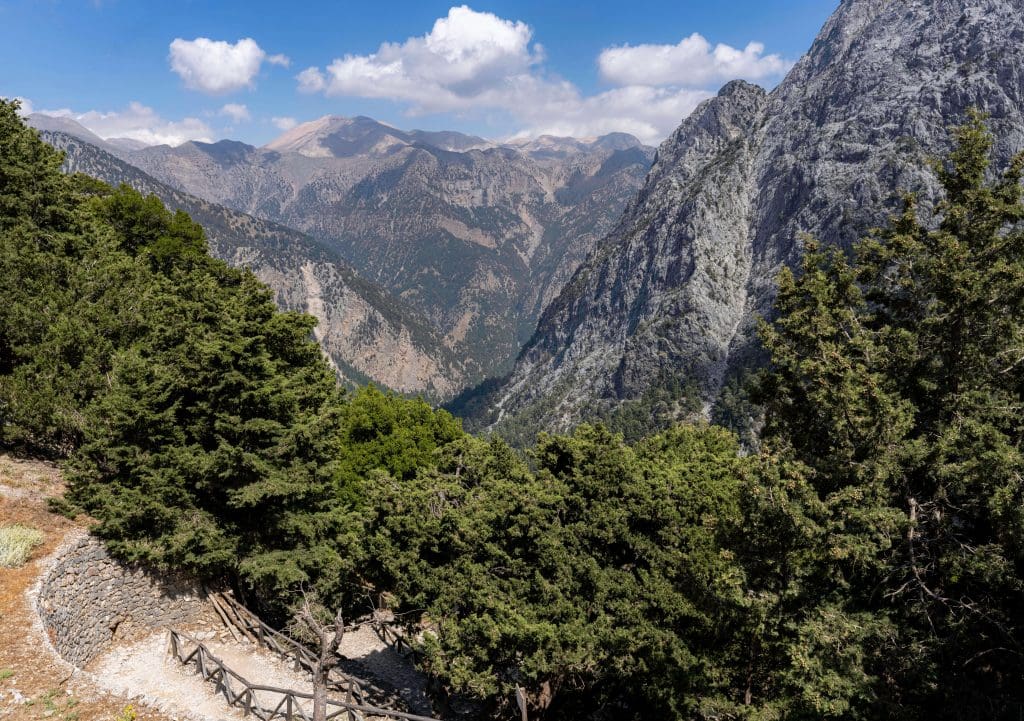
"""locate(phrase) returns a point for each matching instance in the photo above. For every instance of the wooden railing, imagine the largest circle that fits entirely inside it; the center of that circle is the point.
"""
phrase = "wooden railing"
(234, 614)
(268, 702)
(396, 640)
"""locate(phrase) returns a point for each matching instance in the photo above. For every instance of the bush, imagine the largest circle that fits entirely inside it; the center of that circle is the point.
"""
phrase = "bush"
(16, 544)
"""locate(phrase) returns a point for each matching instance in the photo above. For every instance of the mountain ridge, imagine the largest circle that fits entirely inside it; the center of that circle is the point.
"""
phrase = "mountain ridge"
(367, 333)
(477, 240)
(677, 286)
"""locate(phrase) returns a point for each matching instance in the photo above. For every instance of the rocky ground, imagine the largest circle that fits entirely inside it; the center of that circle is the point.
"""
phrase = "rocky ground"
(135, 678)
(34, 682)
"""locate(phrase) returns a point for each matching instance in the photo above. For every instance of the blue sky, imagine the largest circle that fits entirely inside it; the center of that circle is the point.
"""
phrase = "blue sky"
(171, 71)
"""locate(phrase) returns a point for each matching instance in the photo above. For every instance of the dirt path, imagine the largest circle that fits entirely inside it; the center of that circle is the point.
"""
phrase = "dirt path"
(370, 657)
(34, 682)
(140, 677)
(147, 670)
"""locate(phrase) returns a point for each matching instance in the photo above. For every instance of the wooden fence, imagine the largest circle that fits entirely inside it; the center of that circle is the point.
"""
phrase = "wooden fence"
(397, 641)
(235, 615)
(268, 703)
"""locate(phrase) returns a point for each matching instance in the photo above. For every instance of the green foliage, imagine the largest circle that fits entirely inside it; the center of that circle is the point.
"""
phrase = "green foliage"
(736, 409)
(203, 428)
(865, 564)
(897, 380)
(597, 581)
(665, 402)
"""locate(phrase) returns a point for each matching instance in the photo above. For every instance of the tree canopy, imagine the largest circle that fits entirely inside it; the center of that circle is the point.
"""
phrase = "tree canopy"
(867, 562)
(897, 380)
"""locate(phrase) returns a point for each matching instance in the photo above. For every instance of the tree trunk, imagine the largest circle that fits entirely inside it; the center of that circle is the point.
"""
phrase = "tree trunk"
(320, 675)
(328, 636)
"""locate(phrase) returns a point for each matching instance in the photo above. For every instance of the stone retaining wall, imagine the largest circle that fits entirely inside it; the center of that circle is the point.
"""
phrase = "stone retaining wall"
(87, 599)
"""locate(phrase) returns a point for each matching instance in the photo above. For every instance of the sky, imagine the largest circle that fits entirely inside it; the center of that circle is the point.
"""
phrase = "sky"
(167, 72)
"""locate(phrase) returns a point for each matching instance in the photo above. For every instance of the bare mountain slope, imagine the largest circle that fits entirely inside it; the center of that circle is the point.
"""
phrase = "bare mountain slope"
(367, 332)
(674, 291)
(478, 237)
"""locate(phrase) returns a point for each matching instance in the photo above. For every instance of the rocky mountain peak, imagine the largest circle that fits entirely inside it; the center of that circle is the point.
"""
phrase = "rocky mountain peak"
(672, 294)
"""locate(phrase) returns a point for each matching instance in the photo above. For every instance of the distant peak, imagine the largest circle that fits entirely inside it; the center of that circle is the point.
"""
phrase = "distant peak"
(740, 87)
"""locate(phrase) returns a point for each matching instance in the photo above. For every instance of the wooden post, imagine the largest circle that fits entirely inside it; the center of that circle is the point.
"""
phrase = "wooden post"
(223, 616)
(521, 702)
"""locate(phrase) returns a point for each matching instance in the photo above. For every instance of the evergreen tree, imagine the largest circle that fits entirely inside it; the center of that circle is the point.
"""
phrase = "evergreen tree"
(897, 379)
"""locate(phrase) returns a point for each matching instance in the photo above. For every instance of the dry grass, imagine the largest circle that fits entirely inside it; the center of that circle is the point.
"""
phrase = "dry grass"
(17, 543)
(33, 683)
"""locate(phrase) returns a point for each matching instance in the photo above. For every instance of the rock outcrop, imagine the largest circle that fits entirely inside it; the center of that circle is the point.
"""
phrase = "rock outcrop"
(675, 288)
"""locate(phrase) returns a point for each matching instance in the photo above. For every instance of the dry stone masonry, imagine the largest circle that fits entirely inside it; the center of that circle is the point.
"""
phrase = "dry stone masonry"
(88, 599)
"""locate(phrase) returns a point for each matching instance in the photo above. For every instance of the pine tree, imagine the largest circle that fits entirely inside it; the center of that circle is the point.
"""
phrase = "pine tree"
(897, 379)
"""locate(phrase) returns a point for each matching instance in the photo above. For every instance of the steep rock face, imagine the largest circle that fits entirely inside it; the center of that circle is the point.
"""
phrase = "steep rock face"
(675, 289)
(367, 333)
(475, 236)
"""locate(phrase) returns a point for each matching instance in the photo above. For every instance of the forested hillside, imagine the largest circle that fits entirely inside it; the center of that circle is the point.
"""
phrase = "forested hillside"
(866, 563)
(369, 334)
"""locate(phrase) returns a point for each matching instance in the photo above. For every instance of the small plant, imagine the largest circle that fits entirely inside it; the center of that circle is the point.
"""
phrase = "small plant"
(6, 673)
(58, 706)
(127, 714)
(17, 543)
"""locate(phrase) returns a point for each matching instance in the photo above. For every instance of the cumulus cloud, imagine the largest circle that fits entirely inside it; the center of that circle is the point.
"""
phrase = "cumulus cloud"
(466, 55)
(217, 66)
(284, 123)
(237, 112)
(311, 80)
(479, 62)
(693, 62)
(138, 122)
(26, 105)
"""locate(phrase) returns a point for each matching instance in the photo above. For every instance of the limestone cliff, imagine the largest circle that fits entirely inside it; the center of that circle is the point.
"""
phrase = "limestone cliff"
(676, 287)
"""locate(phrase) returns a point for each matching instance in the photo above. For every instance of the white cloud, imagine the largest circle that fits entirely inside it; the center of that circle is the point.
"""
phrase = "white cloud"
(138, 122)
(478, 62)
(26, 105)
(217, 66)
(237, 112)
(311, 80)
(465, 56)
(284, 123)
(693, 62)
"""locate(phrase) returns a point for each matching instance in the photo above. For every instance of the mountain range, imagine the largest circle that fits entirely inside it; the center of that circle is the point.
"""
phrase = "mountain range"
(469, 238)
(477, 237)
(593, 277)
(367, 332)
(671, 297)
